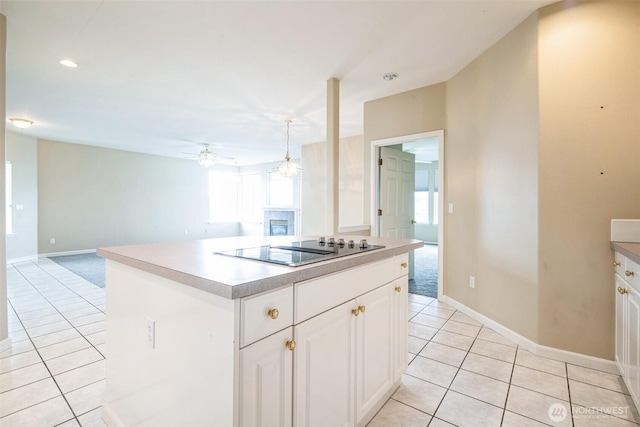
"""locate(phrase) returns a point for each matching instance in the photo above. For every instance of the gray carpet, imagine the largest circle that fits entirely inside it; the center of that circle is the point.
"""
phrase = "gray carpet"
(425, 281)
(88, 266)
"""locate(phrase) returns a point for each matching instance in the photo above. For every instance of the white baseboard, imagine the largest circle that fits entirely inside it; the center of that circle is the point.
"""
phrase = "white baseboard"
(109, 417)
(54, 254)
(537, 349)
(5, 344)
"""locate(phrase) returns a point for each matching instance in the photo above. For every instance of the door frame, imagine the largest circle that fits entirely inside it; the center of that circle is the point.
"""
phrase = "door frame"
(375, 190)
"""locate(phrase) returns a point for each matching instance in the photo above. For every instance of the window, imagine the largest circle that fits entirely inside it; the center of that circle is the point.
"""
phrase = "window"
(223, 197)
(426, 193)
(251, 197)
(9, 196)
(280, 190)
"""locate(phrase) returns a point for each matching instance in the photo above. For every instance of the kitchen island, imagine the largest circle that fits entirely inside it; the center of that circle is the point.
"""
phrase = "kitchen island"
(195, 338)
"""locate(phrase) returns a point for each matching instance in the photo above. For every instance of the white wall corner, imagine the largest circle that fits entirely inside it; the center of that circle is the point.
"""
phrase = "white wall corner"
(537, 349)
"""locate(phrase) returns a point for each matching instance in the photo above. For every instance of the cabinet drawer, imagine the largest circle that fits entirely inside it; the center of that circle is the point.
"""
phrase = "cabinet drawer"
(619, 263)
(632, 274)
(264, 314)
(318, 295)
(401, 263)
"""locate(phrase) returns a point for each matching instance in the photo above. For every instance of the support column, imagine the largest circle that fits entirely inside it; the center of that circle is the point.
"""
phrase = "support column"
(5, 342)
(333, 148)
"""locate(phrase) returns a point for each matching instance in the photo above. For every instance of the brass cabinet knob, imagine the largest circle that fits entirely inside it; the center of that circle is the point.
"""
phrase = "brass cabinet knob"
(622, 290)
(413, 221)
(617, 263)
(628, 273)
(361, 308)
(291, 345)
(355, 311)
(273, 313)
(398, 289)
(404, 265)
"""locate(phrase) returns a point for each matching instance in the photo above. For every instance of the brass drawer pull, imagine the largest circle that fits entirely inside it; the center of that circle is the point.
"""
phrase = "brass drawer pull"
(291, 345)
(355, 312)
(622, 290)
(628, 273)
(398, 289)
(273, 313)
(361, 308)
(404, 265)
(617, 263)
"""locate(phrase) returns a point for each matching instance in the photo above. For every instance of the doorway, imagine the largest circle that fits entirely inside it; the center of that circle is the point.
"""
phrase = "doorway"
(428, 147)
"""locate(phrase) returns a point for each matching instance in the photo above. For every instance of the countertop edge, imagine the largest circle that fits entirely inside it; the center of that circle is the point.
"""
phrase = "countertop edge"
(249, 288)
(628, 249)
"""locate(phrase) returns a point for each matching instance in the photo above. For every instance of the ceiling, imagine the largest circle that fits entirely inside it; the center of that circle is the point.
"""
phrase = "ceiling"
(162, 77)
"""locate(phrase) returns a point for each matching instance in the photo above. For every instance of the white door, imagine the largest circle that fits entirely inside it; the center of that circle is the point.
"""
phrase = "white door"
(266, 371)
(397, 187)
(374, 349)
(324, 369)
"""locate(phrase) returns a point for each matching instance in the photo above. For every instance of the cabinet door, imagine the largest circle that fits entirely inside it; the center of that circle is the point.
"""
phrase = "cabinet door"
(621, 324)
(400, 308)
(633, 335)
(323, 374)
(375, 347)
(266, 369)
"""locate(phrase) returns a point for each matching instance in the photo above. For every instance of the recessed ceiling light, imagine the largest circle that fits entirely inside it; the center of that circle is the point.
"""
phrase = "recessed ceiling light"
(21, 123)
(389, 76)
(69, 63)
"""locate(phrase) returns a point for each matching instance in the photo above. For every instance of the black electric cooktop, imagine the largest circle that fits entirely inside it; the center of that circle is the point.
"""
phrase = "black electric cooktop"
(304, 252)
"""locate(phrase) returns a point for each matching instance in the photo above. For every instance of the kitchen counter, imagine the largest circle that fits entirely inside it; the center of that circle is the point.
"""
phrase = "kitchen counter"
(628, 249)
(193, 263)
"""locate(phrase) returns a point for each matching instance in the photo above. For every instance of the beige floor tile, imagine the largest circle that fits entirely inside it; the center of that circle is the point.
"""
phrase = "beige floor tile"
(461, 317)
(70, 423)
(452, 339)
(480, 387)
(432, 371)
(91, 328)
(85, 320)
(17, 348)
(428, 320)
(530, 360)
(97, 338)
(443, 353)
(461, 328)
(23, 376)
(65, 347)
(82, 376)
(38, 313)
(87, 398)
(421, 331)
(438, 312)
(541, 382)
(514, 420)
(81, 312)
(28, 395)
(44, 320)
(48, 413)
(495, 350)
(19, 361)
(491, 335)
(414, 306)
(73, 360)
(441, 304)
(419, 394)
(55, 338)
(38, 331)
(488, 366)
(437, 422)
(394, 413)
(538, 406)
(421, 299)
(603, 400)
(415, 344)
(597, 378)
(462, 411)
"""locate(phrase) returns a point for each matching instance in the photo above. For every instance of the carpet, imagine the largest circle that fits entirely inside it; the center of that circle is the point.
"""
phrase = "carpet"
(425, 281)
(88, 266)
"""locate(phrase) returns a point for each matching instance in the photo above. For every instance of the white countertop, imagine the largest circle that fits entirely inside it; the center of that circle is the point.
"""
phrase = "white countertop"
(194, 263)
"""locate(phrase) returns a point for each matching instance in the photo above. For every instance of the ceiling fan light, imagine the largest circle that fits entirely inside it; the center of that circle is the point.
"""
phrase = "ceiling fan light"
(206, 159)
(21, 123)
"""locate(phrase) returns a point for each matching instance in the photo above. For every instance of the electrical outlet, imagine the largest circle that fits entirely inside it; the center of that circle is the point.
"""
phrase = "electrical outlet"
(472, 282)
(52, 241)
(151, 333)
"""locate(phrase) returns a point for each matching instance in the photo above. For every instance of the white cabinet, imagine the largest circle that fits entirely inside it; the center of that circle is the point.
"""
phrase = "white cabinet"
(627, 350)
(266, 381)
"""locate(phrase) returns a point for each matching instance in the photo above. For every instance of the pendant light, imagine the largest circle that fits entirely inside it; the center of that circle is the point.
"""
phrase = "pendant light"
(287, 168)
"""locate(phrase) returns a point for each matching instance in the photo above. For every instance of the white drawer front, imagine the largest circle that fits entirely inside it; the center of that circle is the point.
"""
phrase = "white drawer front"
(318, 295)
(619, 263)
(401, 264)
(257, 315)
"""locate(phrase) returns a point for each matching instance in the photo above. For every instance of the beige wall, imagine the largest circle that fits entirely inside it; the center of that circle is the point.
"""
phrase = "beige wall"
(407, 113)
(589, 72)
(22, 153)
(90, 197)
(491, 152)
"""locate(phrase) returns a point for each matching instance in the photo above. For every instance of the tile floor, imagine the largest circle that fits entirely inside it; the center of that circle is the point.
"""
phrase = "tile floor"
(460, 373)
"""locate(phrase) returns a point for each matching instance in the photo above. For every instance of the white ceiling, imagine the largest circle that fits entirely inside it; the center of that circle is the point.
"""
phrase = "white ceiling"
(161, 77)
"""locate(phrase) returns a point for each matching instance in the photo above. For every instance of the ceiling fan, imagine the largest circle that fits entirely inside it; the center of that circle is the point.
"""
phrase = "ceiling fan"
(206, 157)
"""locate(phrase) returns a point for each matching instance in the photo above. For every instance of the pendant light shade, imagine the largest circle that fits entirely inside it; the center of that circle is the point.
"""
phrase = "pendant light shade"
(287, 168)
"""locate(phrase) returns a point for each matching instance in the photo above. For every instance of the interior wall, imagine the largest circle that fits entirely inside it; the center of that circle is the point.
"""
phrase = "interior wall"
(491, 157)
(4, 330)
(22, 153)
(407, 113)
(589, 62)
(90, 197)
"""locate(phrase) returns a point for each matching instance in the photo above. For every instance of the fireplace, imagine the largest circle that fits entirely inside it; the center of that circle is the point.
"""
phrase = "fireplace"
(278, 227)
